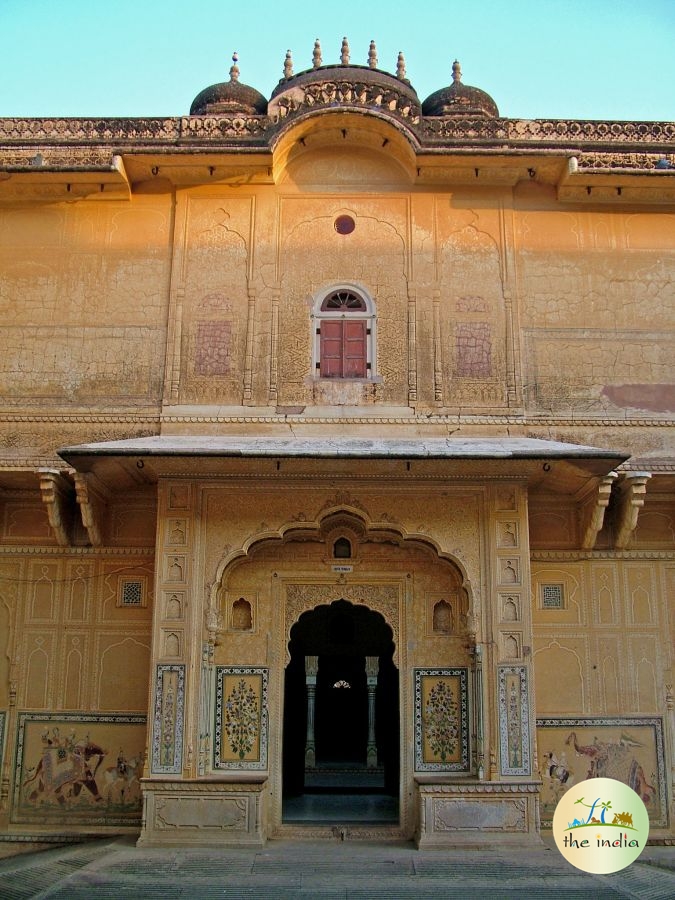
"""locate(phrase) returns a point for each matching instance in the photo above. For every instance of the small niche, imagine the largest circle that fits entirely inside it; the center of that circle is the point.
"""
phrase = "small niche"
(242, 619)
(342, 549)
(443, 619)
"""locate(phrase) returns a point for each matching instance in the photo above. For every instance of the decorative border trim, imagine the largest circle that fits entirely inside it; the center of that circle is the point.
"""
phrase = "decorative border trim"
(514, 722)
(655, 722)
(262, 724)
(167, 728)
(463, 765)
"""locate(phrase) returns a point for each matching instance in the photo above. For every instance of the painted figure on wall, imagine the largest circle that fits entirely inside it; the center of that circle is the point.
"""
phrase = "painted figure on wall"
(575, 750)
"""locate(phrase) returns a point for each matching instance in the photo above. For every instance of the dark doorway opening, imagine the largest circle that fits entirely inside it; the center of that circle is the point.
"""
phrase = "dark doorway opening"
(348, 692)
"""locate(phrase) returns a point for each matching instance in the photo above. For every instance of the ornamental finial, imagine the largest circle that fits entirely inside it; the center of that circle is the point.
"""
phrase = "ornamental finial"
(344, 52)
(456, 71)
(372, 55)
(288, 65)
(316, 56)
(400, 66)
(234, 70)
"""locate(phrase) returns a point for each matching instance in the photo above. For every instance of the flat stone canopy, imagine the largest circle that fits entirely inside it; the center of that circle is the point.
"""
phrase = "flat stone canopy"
(356, 448)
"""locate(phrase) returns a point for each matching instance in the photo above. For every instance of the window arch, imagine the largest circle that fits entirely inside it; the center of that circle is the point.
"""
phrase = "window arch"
(344, 333)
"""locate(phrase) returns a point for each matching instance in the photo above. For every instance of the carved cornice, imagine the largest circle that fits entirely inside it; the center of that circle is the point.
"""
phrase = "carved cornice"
(616, 555)
(477, 787)
(21, 550)
(563, 420)
(433, 132)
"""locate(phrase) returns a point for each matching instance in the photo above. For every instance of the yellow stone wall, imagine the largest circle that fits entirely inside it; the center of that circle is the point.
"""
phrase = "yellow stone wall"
(197, 302)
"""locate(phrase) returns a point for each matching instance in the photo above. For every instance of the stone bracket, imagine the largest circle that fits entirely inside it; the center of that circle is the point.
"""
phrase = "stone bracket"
(632, 490)
(92, 498)
(593, 513)
(57, 495)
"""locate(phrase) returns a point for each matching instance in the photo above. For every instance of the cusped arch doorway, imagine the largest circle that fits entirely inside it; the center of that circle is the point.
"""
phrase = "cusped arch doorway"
(341, 719)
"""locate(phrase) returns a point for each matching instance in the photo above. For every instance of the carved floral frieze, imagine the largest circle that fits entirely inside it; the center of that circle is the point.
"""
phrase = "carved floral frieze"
(432, 130)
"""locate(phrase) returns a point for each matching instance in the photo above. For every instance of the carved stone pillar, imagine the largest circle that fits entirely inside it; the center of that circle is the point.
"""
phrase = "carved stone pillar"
(478, 706)
(372, 668)
(206, 691)
(311, 669)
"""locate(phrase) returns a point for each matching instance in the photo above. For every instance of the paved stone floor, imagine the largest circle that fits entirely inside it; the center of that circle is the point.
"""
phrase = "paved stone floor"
(283, 870)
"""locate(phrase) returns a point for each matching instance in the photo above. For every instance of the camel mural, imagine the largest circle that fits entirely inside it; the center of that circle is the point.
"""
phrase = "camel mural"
(629, 750)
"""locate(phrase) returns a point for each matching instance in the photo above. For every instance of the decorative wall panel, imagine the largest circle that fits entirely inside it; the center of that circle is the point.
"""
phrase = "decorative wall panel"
(441, 720)
(627, 748)
(167, 728)
(514, 720)
(241, 732)
(78, 769)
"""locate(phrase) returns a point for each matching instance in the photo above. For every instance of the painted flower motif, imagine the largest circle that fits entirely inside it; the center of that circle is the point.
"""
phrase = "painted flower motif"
(441, 720)
(242, 718)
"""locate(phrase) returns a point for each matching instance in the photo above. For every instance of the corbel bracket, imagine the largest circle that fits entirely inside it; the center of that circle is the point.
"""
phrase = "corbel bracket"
(632, 490)
(594, 511)
(92, 499)
(57, 495)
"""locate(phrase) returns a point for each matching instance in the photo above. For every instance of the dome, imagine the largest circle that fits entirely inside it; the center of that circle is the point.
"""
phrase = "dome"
(229, 97)
(460, 99)
(346, 84)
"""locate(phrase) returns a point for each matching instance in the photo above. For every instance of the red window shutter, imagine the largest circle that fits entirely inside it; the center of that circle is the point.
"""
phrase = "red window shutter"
(354, 349)
(331, 349)
(343, 349)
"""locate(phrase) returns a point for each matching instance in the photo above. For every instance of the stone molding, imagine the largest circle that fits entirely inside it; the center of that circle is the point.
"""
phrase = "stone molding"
(580, 555)
(20, 550)
(433, 131)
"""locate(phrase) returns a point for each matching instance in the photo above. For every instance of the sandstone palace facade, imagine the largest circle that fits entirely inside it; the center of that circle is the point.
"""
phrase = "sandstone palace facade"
(337, 471)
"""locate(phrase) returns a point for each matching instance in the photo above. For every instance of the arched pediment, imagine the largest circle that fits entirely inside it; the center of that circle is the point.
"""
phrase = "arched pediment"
(335, 149)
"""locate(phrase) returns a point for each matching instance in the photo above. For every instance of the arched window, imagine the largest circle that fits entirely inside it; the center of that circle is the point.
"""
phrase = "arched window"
(344, 323)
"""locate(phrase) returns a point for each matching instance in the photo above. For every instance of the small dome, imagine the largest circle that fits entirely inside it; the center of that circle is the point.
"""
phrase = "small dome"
(229, 97)
(460, 100)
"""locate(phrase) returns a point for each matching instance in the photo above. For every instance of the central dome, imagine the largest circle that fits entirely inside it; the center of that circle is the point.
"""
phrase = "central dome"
(344, 84)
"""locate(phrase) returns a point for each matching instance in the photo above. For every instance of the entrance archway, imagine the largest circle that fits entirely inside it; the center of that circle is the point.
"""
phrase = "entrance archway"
(341, 718)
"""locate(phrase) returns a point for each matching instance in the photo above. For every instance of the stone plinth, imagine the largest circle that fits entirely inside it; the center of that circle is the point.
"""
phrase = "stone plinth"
(203, 813)
(476, 814)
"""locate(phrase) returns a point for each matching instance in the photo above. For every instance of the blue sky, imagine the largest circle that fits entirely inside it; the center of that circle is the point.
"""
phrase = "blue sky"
(610, 59)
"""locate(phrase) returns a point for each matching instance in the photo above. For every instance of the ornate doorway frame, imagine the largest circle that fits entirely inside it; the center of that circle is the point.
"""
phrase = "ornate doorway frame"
(388, 597)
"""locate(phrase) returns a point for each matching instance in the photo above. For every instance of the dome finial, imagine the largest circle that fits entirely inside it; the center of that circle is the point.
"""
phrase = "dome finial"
(288, 65)
(400, 66)
(316, 56)
(344, 52)
(456, 71)
(372, 55)
(234, 69)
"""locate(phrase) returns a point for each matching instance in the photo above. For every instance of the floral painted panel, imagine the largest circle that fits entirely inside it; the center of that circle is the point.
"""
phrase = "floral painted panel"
(79, 769)
(627, 748)
(241, 717)
(441, 720)
(514, 721)
(167, 735)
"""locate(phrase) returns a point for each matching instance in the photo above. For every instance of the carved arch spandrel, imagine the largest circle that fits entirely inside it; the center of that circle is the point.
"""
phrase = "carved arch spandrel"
(342, 511)
(380, 598)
